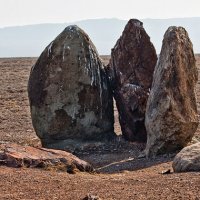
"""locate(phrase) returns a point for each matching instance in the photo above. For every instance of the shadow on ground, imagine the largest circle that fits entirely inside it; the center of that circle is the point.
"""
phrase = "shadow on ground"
(120, 156)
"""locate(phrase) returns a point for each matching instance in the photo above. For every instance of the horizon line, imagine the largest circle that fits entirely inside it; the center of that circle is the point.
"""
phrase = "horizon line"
(36, 57)
(78, 21)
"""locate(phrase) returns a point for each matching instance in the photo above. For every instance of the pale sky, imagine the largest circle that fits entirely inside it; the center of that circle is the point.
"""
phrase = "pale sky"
(23, 12)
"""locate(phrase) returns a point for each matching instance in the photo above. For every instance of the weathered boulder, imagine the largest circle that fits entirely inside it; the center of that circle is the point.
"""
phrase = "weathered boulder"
(131, 72)
(69, 95)
(188, 159)
(14, 155)
(171, 116)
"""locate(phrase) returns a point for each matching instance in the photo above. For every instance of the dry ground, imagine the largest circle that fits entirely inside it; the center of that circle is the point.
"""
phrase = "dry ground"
(122, 175)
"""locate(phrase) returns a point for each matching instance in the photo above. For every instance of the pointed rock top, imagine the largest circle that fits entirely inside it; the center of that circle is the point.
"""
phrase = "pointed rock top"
(74, 29)
(134, 23)
(178, 34)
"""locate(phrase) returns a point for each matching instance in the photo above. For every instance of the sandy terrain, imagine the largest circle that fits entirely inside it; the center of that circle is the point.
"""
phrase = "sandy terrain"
(120, 174)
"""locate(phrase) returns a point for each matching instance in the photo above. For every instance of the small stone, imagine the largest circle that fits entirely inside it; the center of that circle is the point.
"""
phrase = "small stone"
(141, 155)
(91, 197)
(168, 171)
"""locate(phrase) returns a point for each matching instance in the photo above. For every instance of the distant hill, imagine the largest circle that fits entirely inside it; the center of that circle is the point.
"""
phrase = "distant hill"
(30, 40)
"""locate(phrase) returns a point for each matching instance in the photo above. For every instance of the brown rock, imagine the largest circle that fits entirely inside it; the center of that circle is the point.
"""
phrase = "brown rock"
(14, 155)
(188, 159)
(171, 116)
(69, 94)
(131, 71)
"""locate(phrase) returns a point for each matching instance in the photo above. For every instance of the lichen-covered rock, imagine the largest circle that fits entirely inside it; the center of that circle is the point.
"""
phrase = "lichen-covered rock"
(188, 159)
(171, 116)
(69, 95)
(131, 72)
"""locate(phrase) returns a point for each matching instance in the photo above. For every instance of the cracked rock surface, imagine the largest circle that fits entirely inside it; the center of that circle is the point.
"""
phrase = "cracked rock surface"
(131, 67)
(15, 155)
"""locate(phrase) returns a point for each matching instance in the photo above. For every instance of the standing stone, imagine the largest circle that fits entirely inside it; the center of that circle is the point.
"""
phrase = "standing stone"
(171, 116)
(69, 95)
(131, 71)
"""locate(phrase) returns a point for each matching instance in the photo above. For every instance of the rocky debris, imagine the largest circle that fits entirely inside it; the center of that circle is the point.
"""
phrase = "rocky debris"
(171, 116)
(14, 155)
(188, 159)
(131, 71)
(69, 93)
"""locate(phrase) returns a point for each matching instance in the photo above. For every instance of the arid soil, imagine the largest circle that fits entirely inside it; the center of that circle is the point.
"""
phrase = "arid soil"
(120, 174)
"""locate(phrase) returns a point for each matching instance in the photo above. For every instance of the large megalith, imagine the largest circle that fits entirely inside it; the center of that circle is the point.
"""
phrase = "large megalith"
(70, 99)
(131, 67)
(171, 116)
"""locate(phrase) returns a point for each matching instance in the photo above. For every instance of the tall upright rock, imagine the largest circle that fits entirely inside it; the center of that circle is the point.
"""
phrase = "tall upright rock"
(171, 116)
(131, 72)
(69, 93)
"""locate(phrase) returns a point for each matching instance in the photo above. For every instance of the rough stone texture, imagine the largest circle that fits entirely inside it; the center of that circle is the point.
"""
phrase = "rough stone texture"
(171, 116)
(131, 71)
(14, 155)
(188, 159)
(69, 95)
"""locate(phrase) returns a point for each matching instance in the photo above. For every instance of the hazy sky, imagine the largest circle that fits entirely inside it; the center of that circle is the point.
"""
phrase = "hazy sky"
(21, 12)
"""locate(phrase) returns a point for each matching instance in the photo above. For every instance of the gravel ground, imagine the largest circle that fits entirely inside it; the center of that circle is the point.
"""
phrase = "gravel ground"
(120, 174)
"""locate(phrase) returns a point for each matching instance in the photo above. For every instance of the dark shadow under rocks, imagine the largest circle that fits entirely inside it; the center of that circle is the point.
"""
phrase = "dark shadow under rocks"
(119, 156)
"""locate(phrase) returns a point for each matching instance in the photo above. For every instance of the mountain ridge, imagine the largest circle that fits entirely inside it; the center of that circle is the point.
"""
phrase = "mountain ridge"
(30, 40)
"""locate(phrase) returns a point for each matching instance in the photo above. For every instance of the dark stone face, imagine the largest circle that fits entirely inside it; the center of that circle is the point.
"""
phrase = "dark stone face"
(69, 93)
(171, 116)
(131, 71)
